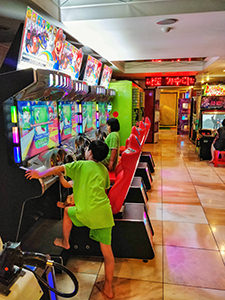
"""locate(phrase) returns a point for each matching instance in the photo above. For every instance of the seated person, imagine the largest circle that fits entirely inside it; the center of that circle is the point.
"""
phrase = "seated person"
(113, 142)
(219, 141)
(92, 207)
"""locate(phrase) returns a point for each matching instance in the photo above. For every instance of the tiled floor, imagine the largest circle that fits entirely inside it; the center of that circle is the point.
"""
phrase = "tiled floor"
(187, 210)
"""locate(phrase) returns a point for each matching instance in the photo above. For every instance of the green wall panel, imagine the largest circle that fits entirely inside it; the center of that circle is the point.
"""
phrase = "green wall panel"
(122, 104)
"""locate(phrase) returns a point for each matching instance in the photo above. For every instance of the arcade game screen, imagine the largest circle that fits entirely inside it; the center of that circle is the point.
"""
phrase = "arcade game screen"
(106, 76)
(92, 71)
(103, 114)
(38, 125)
(212, 120)
(68, 119)
(89, 116)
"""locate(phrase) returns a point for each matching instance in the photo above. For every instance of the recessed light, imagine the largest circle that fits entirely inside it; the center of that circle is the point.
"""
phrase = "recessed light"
(167, 21)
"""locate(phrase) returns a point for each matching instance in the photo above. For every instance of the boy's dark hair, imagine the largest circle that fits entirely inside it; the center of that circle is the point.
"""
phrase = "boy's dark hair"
(114, 124)
(223, 123)
(99, 150)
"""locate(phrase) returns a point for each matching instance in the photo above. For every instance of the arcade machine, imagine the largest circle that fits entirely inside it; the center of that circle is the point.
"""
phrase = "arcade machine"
(30, 139)
(183, 114)
(212, 113)
(194, 120)
(30, 132)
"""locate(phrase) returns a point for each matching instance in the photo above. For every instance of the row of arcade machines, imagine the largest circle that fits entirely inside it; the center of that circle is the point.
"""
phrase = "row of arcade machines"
(47, 119)
(212, 113)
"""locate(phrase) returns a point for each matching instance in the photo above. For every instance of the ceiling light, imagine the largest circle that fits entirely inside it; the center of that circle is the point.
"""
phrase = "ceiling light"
(167, 21)
(166, 29)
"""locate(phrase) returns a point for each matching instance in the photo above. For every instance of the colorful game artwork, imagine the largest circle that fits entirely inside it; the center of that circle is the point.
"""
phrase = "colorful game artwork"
(106, 76)
(92, 71)
(44, 46)
(88, 116)
(103, 114)
(38, 125)
(68, 119)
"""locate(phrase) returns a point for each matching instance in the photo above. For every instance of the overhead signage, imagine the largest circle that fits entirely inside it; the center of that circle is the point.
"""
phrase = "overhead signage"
(169, 81)
(214, 90)
(44, 46)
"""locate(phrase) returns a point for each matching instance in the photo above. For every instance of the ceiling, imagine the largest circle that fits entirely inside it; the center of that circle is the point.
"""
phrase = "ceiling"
(126, 33)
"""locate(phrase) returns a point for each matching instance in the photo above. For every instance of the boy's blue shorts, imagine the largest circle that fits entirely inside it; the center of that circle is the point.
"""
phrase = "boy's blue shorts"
(102, 235)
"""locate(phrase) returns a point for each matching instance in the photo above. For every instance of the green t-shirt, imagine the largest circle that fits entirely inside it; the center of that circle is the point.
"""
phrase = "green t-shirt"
(90, 180)
(113, 142)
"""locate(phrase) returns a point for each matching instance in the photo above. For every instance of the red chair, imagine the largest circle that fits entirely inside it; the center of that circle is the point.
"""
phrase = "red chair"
(123, 178)
(219, 158)
(133, 143)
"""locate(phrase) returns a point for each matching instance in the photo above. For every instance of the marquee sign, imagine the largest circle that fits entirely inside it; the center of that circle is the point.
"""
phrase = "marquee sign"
(169, 81)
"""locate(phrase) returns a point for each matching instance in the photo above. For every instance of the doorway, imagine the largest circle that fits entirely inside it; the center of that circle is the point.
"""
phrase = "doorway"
(168, 109)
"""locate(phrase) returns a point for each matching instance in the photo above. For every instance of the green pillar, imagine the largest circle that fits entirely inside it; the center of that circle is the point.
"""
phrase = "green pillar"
(122, 103)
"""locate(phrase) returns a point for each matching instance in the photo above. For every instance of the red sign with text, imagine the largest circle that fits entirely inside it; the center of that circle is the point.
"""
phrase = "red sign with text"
(169, 81)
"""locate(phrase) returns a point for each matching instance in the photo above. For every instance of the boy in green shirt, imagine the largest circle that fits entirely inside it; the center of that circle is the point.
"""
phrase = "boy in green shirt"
(92, 207)
(113, 142)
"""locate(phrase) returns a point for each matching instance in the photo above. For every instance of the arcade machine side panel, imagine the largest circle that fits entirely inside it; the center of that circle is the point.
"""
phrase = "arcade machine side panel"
(150, 107)
(183, 115)
(122, 104)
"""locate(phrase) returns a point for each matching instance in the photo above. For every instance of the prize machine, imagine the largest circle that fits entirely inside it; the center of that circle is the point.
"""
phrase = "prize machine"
(184, 106)
(212, 113)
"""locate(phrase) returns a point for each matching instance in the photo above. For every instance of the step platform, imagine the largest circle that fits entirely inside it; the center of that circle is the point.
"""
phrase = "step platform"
(131, 236)
(40, 238)
(147, 157)
(144, 172)
(137, 192)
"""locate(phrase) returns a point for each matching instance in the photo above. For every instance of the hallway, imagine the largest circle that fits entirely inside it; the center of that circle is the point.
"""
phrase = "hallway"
(187, 210)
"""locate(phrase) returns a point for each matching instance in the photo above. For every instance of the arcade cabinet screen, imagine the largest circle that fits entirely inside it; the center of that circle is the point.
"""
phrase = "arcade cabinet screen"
(88, 116)
(68, 119)
(38, 125)
(92, 71)
(106, 76)
(102, 108)
(212, 120)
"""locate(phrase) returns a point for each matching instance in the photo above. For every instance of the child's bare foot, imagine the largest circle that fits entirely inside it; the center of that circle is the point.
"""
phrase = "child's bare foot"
(211, 161)
(105, 289)
(61, 243)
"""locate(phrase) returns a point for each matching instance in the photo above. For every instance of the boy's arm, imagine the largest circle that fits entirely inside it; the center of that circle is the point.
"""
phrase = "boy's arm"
(64, 182)
(112, 159)
(30, 174)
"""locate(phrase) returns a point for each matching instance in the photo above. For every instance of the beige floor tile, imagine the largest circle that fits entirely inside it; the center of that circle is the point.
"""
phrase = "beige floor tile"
(194, 267)
(137, 269)
(215, 216)
(188, 235)
(184, 213)
(154, 211)
(181, 292)
(222, 253)
(219, 233)
(86, 282)
(89, 265)
(157, 227)
(130, 290)
(212, 197)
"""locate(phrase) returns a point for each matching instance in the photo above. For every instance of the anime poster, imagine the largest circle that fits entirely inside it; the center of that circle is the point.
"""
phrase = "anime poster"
(92, 71)
(38, 125)
(106, 76)
(44, 46)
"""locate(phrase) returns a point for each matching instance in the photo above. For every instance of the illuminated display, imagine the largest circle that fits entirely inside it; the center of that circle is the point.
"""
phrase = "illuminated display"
(92, 71)
(170, 81)
(44, 46)
(106, 76)
(214, 90)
